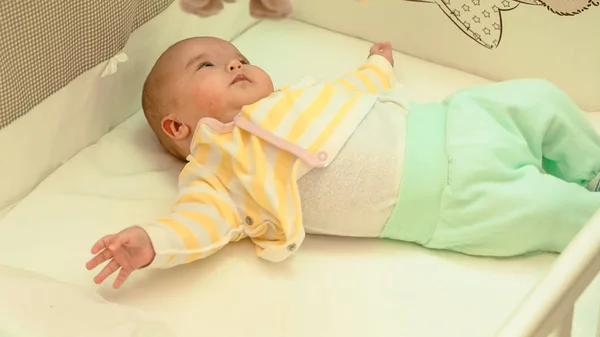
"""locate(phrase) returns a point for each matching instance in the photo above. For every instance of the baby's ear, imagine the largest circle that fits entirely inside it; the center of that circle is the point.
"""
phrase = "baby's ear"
(203, 8)
(174, 128)
(271, 9)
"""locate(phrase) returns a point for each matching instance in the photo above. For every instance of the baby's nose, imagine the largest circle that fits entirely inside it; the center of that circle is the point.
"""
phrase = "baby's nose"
(233, 65)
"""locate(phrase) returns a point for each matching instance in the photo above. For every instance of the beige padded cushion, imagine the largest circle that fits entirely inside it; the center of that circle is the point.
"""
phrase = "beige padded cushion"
(46, 44)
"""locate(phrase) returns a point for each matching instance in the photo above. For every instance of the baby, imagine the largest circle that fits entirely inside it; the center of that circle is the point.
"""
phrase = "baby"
(503, 169)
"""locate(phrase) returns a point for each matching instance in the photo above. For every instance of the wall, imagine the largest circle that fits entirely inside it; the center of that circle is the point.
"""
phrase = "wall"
(526, 40)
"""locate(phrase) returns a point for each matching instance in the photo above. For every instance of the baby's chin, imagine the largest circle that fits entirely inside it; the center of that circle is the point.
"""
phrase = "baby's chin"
(250, 98)
(229, 116)
(240, 99)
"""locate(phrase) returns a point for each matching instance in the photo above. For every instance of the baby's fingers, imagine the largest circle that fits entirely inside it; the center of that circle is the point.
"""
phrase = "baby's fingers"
(106, 271)
(105, 255)
(102, 243)
(121, 278)
(383, 46)
(118, 241)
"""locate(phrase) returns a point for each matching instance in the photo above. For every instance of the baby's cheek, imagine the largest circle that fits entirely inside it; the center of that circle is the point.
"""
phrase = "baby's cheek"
(213, 106)
(210, 98)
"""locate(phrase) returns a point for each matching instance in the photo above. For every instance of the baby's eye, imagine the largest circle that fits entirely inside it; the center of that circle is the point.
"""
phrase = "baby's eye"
(205, 64)
(244, 62)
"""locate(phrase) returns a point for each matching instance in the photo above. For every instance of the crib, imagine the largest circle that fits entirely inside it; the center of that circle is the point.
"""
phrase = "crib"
(79, 162)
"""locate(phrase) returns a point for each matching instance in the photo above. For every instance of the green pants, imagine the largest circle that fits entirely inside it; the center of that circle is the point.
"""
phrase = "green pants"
(497, 170)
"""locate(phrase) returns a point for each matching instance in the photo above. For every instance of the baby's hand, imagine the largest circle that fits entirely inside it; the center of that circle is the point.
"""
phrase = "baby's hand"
(384, 49)
(130, 249)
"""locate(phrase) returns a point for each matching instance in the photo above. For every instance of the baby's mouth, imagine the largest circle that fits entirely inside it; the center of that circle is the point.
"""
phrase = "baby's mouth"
(240, 78)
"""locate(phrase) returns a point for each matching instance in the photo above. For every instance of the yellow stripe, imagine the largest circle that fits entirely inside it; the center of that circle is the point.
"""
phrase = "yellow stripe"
(225, 169)
(171, 258)
(193, 257)
(243, 158)
(297, 218)
(213, 182)
(190, 241)
(185, 170)
(326, 133)
(222, 206)
(283, 106)
(308, 115)
(367, 82)
(222, 176)
(201, 150)
(262, 229)
(209, 226)
(257, 183)
(346, 84)
(207, 223)
(281, 170)
(266, 242)
(251, 207)
(249, 109)
(381, 75)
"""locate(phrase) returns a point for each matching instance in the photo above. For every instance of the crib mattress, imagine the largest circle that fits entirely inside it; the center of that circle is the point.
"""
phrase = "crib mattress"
(331, 287)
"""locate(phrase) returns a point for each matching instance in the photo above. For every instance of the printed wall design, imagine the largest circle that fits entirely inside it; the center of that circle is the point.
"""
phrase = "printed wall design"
(481, 20)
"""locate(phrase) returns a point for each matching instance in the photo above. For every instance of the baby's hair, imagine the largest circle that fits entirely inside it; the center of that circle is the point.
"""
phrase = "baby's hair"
(157, 99)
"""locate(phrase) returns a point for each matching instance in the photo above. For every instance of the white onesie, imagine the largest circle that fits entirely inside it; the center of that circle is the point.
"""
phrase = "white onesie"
(356, 193)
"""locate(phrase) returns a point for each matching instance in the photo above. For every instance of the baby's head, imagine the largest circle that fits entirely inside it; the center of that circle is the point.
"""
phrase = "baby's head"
(196, 78)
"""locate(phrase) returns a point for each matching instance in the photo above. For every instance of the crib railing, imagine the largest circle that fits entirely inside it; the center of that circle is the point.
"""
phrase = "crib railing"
(548, 309)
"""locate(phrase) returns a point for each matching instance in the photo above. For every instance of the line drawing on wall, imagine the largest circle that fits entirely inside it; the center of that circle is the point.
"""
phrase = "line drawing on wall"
(481, 20)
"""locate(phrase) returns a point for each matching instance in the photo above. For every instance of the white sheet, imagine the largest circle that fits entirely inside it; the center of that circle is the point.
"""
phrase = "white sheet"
(331, 287)
(34, 305)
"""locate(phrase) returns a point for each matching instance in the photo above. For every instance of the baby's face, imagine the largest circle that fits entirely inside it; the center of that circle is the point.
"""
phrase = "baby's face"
(213, 79)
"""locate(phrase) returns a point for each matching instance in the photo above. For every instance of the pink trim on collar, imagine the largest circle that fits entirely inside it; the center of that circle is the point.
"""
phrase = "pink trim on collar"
(279, 142)
(256, 130)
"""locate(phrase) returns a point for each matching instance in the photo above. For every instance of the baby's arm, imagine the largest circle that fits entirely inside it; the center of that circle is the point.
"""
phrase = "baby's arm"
(202, 221)
(376, 74)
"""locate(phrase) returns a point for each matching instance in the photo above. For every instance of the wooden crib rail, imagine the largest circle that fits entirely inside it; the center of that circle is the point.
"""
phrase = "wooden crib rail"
(548, 309)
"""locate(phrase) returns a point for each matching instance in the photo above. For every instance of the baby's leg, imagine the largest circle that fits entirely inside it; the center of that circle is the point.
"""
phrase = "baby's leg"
(555, 130)
(499, 138)
(534, 213)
